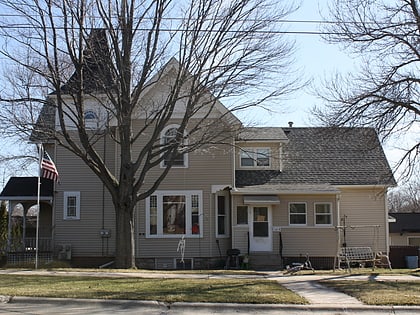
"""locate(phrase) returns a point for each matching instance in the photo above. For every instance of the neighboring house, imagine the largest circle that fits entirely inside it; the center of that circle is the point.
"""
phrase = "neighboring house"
(404, 229)
(275, 194)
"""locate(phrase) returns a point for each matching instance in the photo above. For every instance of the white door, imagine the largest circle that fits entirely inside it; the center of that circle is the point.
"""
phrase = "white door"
(260, 231)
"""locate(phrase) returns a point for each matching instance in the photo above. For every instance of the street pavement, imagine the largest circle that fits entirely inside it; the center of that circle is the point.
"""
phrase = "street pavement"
(322, 300)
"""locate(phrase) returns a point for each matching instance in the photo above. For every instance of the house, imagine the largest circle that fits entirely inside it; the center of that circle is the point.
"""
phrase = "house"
(404, 236)
(272, 194)
(404, 229)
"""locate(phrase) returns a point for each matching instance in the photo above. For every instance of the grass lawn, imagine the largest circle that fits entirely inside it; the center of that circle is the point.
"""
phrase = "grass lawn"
(379, 292)
(167, 290)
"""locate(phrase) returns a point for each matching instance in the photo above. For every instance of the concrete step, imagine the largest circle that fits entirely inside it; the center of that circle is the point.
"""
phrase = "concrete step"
(265, 261)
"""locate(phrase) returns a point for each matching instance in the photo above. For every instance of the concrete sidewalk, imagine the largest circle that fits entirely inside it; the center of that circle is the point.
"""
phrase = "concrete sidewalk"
(322, 300)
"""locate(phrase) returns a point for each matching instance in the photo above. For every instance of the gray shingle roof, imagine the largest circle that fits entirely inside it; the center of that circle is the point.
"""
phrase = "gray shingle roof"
(26, 188)
(262, 134)
(335, 156)
(405, 222)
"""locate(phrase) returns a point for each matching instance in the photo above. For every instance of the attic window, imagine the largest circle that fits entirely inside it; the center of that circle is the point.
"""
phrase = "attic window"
(90, 115)
(91, 119)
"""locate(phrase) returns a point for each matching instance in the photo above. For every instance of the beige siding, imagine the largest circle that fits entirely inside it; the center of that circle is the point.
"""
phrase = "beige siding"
(311, 239)
(206, 167)
(364, 209)
(397, 239)
(96, 209)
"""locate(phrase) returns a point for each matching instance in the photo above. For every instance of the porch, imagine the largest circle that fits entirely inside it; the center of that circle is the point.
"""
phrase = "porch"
(29, 228)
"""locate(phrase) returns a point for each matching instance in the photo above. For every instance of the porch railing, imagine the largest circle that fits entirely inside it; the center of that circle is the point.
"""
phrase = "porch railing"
(29, 245)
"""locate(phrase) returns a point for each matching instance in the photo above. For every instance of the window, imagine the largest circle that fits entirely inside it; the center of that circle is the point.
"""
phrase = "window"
(297, 213)
(241, 215)
(153, 215)
(174, 213)
(414, 241)
(169, 136)
(71, 205)
(259, 157)
(222, 211)
(323, 215)
(91, 120)
(260, 222)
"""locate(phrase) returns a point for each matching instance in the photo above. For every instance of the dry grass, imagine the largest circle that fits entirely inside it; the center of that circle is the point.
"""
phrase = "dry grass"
(167, 290)
(379, 292)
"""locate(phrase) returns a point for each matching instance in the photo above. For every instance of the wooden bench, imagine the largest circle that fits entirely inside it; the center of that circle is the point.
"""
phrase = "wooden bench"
(360, 255)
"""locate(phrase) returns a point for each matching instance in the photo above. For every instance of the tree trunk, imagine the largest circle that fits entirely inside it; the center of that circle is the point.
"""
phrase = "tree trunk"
(124, 251)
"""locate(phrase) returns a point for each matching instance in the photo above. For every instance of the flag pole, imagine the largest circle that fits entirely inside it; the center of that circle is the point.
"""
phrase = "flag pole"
(40, 152)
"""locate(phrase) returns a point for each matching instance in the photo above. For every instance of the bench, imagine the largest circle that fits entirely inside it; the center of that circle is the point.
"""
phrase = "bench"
(360, 255)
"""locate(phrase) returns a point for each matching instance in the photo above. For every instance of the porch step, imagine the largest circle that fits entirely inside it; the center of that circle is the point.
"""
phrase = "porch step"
(265, 261)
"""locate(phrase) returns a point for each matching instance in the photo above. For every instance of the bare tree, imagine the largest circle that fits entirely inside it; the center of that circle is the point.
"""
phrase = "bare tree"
(405, 198)
(112, 52)
(385, 92)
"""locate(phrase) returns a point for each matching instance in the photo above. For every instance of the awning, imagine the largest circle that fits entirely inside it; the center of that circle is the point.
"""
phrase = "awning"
(261, 199)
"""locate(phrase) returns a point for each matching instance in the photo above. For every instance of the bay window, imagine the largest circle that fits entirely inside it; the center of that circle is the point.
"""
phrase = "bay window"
(174, 213)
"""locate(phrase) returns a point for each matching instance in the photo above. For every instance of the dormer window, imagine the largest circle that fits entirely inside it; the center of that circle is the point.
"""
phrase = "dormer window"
(255, 157)
(170, 135)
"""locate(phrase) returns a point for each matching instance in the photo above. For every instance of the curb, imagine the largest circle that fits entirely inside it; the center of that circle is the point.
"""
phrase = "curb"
(214, 306)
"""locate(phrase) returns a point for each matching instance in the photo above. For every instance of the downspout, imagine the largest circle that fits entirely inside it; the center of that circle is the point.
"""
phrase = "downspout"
(338, 233)
(9, 227)
(387, 244)
(233, 188)
(103, 203)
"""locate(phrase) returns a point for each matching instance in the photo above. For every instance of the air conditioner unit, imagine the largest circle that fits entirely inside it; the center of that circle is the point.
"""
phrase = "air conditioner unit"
(65, 252)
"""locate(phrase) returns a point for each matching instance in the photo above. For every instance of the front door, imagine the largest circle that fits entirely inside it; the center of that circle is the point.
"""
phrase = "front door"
(260, 232)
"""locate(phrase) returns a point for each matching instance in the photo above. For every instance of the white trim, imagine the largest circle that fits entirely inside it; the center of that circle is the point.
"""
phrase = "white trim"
(331, 213)
(185, 155)
(306, 213)
(253, 154)
(410, 237)
(227, 214)
(188, 224)
(216, 188)
(261, 199)
(68, 194)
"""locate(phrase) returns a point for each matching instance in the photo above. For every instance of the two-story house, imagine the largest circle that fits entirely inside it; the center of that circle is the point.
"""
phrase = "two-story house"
(274, 194)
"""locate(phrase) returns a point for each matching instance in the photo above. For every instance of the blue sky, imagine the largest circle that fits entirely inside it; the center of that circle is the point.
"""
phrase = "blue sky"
(317, 60)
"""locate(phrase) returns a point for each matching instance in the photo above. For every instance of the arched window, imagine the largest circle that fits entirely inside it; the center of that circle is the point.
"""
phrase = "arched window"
(169, 135)
(91, 119)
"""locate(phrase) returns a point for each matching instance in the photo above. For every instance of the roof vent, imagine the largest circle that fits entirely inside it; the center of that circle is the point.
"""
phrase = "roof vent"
(290, 124)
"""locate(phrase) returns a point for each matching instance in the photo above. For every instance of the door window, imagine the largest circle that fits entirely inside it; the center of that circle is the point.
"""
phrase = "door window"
(260, 222)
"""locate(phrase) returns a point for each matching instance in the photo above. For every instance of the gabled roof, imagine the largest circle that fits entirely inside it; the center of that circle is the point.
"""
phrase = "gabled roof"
(262, 134)
(335, 156)
(26, 188)
(405, 222)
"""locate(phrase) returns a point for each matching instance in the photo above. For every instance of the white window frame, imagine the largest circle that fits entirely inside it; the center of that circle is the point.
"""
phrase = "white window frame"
(67, 195)
(330, 214)
(411, 237)
(188, 213)
(162, 142)
(306, 213)
(252, 154)
(226, 216)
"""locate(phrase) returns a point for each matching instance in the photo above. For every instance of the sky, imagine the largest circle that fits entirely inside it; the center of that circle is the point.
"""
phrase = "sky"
(316, 60)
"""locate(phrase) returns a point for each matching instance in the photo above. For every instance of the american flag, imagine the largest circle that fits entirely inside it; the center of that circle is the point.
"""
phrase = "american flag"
(48, 169)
